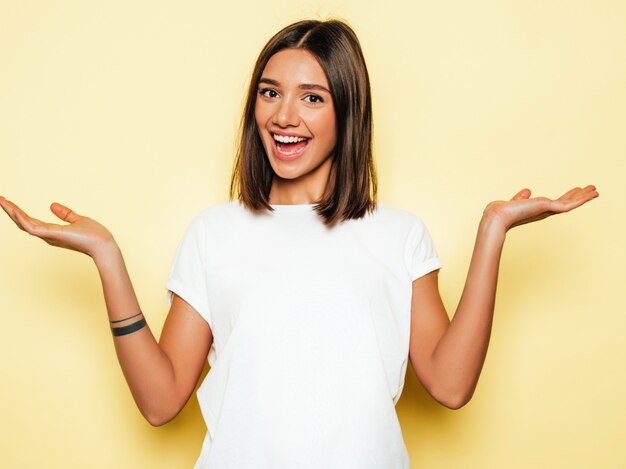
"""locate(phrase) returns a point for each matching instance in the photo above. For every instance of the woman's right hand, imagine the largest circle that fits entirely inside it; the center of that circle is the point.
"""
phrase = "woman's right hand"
(81, 234)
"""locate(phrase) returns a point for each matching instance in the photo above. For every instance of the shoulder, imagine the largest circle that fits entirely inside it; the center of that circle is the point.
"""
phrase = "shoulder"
(217, 215)
(390, 226)
(214, 222)
(394, 218)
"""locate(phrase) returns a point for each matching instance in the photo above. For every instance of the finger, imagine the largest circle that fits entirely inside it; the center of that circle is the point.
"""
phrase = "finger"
(26, 223)
(583, 195)
(64, 213)
(4, 203)
(570, 193)
(591, 189)
(11, 209)
(574, 201)
(523, 194)
(14, 212)
(32, 225)
(588, 192)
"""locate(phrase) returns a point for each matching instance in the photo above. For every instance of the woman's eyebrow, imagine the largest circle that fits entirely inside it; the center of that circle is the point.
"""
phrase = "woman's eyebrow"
(269, 81)
(304, 86)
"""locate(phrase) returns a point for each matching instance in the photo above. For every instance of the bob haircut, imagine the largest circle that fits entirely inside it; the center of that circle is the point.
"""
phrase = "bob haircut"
(352, 185)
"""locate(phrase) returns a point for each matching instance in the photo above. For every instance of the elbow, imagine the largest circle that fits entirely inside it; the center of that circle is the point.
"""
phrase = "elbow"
(159, 417)
(157, 420)
(453, 399)
(161, 409)
(454, 403)
(451, 386)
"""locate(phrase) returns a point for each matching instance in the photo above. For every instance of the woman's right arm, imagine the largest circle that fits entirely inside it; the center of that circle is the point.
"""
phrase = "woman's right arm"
(161, 375)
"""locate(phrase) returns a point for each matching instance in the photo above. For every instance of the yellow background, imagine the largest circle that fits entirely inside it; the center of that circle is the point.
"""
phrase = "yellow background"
(127, 111)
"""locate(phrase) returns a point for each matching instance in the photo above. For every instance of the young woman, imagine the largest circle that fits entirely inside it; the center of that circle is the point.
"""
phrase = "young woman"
(307, 296)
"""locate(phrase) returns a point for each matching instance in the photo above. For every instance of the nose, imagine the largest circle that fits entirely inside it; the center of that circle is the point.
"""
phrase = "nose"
(286, 114)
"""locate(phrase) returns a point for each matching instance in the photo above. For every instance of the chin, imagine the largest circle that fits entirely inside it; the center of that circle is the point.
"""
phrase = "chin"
(287, 174)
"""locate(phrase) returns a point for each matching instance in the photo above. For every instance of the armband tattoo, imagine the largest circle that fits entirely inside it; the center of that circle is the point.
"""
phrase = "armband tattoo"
(126, 319)
(124, 330)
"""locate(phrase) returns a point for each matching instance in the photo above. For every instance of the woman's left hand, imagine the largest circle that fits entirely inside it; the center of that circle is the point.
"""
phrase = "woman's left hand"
(522, 209)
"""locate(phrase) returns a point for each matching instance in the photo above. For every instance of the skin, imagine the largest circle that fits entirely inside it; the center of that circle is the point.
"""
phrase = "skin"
(447, 356)
(294, 100)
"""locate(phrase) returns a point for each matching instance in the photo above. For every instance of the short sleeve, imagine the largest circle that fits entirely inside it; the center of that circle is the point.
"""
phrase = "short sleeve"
(421, 257)
(187, 277)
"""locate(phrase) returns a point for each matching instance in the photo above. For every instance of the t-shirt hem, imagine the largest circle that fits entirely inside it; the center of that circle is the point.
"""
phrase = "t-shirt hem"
(179, 288)
(426, 267)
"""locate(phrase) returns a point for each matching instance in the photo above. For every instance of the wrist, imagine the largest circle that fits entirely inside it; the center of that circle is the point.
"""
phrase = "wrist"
(491, 226)
(106, 253)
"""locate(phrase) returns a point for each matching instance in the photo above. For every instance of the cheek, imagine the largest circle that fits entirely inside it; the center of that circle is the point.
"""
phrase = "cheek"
(257, 115)
(261, 114)
(323, 127)
(330, 127)
(331, 131)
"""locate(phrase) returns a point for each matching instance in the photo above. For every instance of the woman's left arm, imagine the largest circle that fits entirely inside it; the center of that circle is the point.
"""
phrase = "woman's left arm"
(447, 356)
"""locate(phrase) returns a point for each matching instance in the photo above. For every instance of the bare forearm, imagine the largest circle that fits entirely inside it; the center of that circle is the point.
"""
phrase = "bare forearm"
(452, 369)
(460, 354)
(147, 369)
(161, 376)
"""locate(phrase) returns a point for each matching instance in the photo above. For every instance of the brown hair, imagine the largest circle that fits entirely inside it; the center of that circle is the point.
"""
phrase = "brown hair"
(352, 182)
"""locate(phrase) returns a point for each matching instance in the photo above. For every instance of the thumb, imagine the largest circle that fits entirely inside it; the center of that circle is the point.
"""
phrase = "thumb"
(64, 213)
(523, 194)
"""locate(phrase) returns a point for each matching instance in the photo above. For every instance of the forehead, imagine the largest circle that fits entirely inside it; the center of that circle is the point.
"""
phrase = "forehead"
(295, 66)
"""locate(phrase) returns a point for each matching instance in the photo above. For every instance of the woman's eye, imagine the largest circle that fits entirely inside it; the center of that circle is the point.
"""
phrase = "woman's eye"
(268, 92)
(313, 98)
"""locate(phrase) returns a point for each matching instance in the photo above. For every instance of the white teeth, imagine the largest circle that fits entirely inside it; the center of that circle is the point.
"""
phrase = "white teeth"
(288, 139)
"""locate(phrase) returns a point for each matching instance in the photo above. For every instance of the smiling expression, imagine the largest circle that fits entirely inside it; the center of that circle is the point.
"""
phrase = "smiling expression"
(295, 118)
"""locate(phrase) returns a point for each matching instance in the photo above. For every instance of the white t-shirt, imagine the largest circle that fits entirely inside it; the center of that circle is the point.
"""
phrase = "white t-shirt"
(310, 333)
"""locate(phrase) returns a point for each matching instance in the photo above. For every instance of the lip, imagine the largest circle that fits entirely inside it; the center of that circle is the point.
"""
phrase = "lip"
(291, 156)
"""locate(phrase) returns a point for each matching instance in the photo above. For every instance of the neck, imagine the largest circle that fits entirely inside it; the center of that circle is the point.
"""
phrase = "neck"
(308, 189)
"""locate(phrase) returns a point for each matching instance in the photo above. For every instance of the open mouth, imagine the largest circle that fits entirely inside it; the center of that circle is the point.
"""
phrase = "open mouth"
(289, 146)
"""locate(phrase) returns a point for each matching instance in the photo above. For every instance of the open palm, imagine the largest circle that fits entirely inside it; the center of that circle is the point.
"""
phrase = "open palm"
(522, 209)
(81, 234)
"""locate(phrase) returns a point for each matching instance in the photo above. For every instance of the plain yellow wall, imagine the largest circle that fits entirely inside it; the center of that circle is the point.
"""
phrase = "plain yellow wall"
(127, 111)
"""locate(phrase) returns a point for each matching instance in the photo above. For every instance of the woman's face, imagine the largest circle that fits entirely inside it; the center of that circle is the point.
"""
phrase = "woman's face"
(295, 118)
